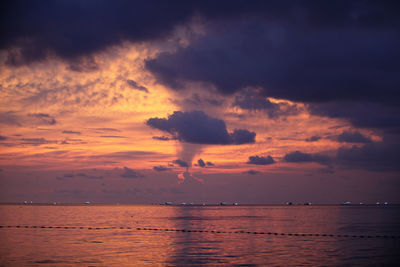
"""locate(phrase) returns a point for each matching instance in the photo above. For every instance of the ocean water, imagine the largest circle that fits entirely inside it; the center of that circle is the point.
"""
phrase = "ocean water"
(232, 242)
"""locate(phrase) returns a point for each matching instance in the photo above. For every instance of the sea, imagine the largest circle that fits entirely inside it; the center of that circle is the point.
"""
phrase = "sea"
(168, 235)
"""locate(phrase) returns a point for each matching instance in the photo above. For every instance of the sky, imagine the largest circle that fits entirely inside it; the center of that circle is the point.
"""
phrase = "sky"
(255, 102)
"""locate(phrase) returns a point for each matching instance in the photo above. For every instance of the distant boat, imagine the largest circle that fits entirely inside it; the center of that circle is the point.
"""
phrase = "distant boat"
(168, 203)
(235, 204)
(346, 203)
(87, 202)
(307, 203)
(222, 204)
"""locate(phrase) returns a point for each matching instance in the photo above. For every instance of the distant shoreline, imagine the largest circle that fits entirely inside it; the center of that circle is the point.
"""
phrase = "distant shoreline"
(195, 205)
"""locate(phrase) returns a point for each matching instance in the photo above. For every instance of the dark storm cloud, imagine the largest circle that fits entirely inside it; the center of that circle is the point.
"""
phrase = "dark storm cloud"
(72, 29)
(362, 114)
(131, 173)
(342, 57)
(329, 56)
(252, 100)
(260, 160)
(353, 137)
(373, 157)
(298, 157)
(181, 163)
(198, 128)
(2, 138)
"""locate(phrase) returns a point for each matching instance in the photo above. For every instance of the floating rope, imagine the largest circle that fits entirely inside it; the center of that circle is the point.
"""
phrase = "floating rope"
(200, 231)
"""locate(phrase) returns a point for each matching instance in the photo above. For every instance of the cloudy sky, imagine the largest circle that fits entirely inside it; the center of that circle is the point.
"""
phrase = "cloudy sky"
(199, 101)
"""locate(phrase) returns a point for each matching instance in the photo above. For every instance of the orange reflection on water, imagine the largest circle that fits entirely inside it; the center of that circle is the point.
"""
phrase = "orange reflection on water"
(132, 247)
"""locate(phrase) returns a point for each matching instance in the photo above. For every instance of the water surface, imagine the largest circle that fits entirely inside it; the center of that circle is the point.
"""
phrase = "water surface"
(132, 247)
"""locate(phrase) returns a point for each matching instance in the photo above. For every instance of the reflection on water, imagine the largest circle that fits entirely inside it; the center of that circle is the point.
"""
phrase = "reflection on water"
(116, 247)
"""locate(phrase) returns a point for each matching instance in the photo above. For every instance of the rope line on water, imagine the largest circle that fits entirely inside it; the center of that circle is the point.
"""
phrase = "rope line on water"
(198, 231)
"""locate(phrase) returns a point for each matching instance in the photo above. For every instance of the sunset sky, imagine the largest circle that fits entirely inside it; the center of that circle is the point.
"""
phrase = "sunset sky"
(200, 101)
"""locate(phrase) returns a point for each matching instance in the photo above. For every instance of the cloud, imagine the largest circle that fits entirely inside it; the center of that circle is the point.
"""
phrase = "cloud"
(131, 173)
(313, 138)
(353, 137)
(43, 118)
(296, 61)
(252, 100)
(36, 141)
(10, 118)
(251, 172)
(372, 156)
(299, 157)
(106, 130)
(71, 132)
(66, 176)
(329, 57)
(260, 160)
(160, 168)
(72, 141)
(181, 163)
(112, 136)
(201, 163)
(130, 154)
(362, 114)
(162, 138)
(2, 138)
(134, 85)
(198, 128)
(89, 176)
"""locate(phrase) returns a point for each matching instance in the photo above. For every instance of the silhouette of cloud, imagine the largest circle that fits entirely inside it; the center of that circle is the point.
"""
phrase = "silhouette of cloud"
(298, 157)
(134, 85)
(372, 156)
(112, 136)
(199, 128)
(160, 168)
(71, 132)
(313, 138)
(201, 163)
(251, 172)
(163, 138)
(260, 160)
(43, 118)
(353, 137)
(36, 141)
(252, 100)
(131, 173)
(181, 163)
